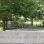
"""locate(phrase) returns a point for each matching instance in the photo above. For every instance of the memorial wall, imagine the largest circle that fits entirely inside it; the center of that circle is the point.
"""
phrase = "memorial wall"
(22, 37)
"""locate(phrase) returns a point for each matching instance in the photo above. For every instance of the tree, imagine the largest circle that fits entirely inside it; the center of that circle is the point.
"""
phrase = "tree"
(26, 8)
(40, 11)
(5, 12)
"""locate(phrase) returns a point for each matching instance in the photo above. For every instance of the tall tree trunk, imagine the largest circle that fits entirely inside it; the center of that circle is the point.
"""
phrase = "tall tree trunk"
(43, 23)
(32, 21)
(6, 24)
(3, 25)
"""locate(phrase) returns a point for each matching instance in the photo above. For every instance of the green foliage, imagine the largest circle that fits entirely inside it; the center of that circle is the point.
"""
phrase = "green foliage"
(26, 8)
(5, 11)
(18, 7)
(40, 9)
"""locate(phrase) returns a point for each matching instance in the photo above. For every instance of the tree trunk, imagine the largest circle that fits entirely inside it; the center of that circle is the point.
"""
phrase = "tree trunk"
(32, 21)
(43, 23)
(3, 25)
(6, 24)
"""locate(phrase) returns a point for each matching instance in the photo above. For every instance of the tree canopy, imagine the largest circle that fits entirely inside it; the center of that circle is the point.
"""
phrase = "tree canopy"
(26, 8)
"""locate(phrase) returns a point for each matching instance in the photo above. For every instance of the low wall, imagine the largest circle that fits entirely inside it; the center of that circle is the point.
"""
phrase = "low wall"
(22, 37)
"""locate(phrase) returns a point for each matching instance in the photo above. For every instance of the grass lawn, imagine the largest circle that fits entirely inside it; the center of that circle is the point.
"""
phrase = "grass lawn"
(0, 20)
(35, 23)
(1, 28)
(38, 23)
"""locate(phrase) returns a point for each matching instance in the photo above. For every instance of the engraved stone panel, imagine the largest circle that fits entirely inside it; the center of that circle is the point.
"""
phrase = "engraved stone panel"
(22, 37)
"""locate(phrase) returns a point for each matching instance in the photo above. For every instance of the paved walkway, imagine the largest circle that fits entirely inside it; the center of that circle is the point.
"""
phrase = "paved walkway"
(24, 29)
